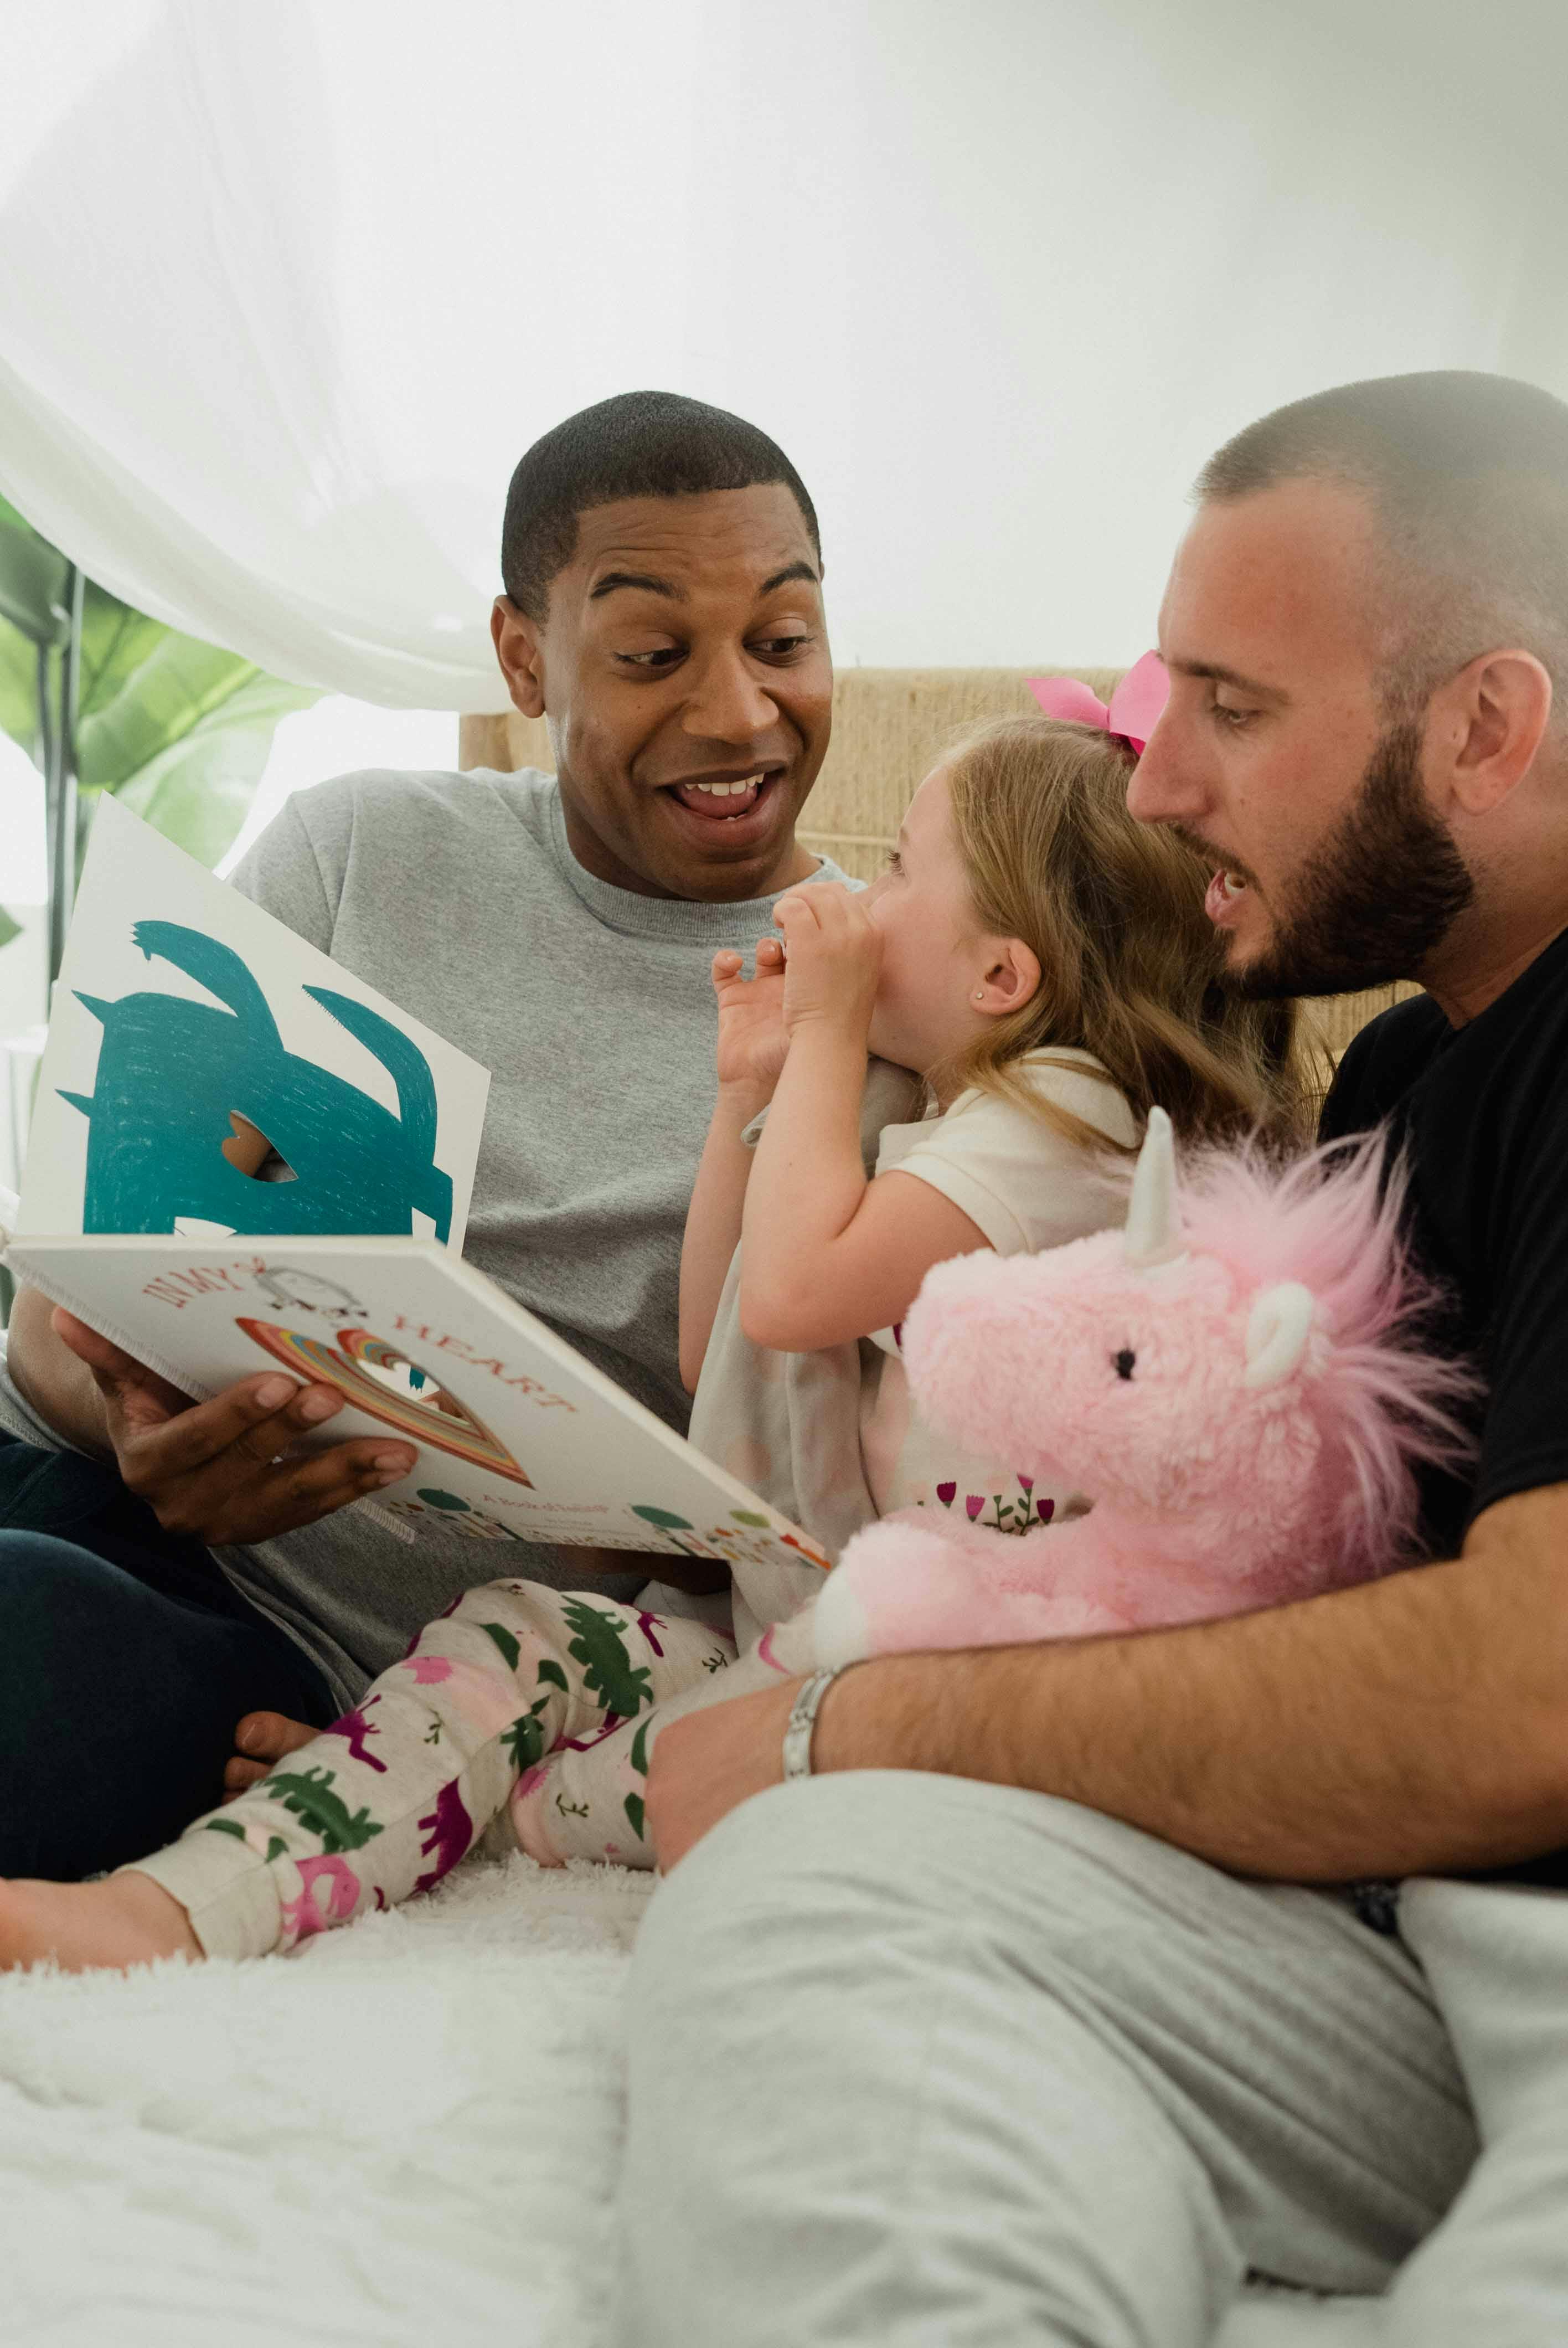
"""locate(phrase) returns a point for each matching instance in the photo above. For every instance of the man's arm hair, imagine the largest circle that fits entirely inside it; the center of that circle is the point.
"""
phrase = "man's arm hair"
(1416, 1724)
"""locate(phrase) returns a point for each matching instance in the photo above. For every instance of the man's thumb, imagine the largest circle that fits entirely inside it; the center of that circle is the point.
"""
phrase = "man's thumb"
(139, 1394)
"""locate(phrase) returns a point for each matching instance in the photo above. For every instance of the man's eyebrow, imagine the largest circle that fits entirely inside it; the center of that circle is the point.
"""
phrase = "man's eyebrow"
(650, 585)
(791, 571)
(1217, 673)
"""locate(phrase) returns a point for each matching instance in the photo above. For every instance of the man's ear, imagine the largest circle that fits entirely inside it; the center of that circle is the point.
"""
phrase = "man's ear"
(519, 649)
(1011, 978)
(1485, 727)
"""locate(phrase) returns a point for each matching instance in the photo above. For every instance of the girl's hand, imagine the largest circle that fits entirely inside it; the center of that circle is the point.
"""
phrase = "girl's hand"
(835, 958)
(752, 1039)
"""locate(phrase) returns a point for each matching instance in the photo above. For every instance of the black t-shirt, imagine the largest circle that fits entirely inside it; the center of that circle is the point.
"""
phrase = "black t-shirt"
(1482, 1114)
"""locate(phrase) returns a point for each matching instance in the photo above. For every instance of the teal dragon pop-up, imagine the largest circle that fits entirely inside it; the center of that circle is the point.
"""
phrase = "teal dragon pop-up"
(172, 1074)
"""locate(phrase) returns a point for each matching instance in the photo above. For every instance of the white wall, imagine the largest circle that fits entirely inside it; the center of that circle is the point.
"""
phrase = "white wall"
(997, 274)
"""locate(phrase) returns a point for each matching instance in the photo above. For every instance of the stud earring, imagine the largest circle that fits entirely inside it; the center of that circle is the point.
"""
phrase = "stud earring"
(979, 994)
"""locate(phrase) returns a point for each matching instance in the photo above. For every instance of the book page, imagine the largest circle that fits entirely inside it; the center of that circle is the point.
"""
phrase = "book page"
(518, 1438)
(184, 1018)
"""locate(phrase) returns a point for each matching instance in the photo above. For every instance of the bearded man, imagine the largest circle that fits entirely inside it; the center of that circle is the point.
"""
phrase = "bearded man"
(1076, 1981)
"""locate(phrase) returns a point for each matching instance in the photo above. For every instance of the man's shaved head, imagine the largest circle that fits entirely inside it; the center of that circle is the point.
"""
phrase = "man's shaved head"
(1467, 476)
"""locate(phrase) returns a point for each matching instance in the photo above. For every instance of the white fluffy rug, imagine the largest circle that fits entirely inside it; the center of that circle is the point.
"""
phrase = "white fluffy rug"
(406, 2135)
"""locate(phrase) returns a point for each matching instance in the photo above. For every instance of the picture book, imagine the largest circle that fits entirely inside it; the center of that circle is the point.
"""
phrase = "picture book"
(186, 1023)
(190, 1027)
(518, 1437)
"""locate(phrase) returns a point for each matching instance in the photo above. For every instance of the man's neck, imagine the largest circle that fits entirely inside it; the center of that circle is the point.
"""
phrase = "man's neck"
(1467, 981)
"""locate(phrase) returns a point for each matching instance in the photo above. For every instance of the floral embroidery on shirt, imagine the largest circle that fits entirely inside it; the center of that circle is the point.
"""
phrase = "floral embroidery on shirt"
(1008, 1516)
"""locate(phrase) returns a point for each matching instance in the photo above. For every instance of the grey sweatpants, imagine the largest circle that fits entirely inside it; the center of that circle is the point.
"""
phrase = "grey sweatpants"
(919, 2060)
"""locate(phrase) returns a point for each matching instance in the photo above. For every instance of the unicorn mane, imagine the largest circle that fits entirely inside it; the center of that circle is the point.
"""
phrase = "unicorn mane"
(1386, 1400)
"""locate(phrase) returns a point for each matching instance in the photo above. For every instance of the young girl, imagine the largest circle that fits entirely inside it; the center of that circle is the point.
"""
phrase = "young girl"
(1050, 973)
(1044, 967)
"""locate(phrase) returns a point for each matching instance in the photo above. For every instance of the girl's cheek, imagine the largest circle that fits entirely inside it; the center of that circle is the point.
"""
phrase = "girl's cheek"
(883, 913)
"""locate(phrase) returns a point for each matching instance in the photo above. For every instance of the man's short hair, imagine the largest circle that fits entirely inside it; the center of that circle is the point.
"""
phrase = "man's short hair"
(1468, 478)
(641, 444)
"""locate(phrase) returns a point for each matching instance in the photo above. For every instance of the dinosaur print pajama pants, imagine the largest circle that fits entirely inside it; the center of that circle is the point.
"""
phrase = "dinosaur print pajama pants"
(524, 1715)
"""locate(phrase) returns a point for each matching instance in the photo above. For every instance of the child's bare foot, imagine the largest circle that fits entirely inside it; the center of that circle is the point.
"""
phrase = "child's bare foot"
(126, 1921)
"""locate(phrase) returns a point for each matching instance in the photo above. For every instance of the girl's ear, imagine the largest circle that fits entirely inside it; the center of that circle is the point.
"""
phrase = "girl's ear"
(1011, 978)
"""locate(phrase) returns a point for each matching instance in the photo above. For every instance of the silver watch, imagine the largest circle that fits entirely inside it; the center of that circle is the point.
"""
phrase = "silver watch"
(803, 1721)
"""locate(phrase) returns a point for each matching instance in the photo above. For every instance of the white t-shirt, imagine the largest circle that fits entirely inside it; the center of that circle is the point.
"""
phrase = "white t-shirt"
(1026, 1187)
(828, 1437)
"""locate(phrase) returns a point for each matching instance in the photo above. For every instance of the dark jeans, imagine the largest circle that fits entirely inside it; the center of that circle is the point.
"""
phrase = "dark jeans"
(126, 1661)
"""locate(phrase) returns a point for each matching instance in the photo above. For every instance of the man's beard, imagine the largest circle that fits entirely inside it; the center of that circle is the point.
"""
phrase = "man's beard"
(1376, 899)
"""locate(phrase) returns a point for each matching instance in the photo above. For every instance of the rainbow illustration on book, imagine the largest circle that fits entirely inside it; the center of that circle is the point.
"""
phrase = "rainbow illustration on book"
(375, 1377)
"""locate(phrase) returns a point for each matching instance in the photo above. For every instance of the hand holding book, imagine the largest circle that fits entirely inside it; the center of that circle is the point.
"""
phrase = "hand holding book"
(227, 1471)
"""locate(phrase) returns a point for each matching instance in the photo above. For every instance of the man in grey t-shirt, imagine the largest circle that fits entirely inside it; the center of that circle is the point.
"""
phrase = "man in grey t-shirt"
(663, 611)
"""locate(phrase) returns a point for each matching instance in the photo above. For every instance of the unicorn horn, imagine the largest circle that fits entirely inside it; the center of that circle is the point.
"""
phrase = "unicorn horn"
(1154, 1234)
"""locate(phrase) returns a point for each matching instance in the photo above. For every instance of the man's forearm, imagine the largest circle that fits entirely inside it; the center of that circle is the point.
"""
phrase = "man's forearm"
(1416, 1724)
(52, 1380)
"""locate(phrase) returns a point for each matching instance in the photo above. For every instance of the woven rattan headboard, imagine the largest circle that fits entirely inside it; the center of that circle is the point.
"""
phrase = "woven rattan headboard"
(888, 726)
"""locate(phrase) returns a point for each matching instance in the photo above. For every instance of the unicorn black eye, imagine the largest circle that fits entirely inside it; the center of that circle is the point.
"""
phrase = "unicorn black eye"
(1124, 1360)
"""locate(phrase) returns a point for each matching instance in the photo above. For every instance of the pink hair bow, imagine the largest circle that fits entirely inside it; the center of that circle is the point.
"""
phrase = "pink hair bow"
(1135, 705)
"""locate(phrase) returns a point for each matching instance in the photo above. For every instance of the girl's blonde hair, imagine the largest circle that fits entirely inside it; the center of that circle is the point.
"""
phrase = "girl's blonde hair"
(1130, 965)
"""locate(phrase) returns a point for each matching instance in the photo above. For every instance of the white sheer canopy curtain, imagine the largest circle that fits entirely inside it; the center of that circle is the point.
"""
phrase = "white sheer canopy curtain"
(285, 291)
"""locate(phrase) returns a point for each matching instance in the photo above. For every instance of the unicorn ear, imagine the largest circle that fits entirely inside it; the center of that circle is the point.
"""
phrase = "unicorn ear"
(1154, 1235)
(1278, 1329)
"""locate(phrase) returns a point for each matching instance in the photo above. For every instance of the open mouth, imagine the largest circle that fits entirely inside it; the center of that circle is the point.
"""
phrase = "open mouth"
(725, 799)
(1223, 891)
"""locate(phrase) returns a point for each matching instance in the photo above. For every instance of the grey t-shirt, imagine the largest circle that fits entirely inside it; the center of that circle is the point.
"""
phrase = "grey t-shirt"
(458, 897)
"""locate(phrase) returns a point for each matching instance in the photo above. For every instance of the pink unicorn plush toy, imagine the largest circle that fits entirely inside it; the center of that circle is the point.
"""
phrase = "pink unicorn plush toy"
(1235, 1380)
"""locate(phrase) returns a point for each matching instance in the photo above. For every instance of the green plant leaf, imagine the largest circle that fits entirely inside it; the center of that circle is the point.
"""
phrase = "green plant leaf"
(142, 708)
(197, 790)
(178, 728)
(19, 687)
(116, 640)
(8, 928)
(116, 643)
(33, 576)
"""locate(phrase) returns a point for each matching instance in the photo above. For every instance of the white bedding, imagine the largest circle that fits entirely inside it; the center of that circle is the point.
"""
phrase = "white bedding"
(407, 2134)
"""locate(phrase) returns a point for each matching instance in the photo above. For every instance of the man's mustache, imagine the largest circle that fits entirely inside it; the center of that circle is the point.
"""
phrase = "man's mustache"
(1220, 858)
